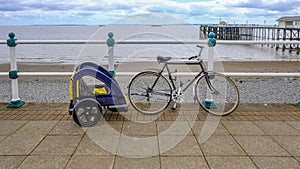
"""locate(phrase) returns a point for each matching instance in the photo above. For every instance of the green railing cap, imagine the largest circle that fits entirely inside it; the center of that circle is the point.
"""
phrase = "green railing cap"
(11, 42)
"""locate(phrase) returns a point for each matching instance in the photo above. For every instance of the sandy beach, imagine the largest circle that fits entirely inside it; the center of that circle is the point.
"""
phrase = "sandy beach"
(225, 66)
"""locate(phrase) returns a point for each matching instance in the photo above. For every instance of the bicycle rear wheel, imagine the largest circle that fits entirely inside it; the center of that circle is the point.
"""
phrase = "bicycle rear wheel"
(219, 95)
(146, 97)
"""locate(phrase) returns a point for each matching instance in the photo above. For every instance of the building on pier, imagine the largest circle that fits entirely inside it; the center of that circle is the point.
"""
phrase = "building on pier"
(289, 22)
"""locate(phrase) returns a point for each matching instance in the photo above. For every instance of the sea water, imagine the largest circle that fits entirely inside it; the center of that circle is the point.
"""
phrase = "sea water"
(71, 54)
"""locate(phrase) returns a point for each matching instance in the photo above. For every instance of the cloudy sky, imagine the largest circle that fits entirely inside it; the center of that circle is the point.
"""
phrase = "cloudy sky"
(97, 12)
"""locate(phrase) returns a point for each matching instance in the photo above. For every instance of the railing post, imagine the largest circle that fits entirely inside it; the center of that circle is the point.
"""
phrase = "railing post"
(15, 102)
(211, 52)
(209, 102)
(110, 43)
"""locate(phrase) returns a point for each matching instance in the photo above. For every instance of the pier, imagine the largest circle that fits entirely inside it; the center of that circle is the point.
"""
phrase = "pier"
(255, 33)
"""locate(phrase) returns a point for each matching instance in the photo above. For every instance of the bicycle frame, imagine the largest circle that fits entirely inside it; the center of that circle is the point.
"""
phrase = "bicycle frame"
(201, 73)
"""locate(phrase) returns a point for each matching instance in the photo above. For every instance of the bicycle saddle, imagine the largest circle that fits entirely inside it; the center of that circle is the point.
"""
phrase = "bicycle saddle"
(163, 59)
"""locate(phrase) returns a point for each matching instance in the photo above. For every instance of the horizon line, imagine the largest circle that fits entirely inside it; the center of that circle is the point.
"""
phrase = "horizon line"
(154, 25)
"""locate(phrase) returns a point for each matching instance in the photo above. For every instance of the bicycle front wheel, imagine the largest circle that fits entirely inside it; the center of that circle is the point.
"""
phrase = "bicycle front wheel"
(217, 94)
(149, 93)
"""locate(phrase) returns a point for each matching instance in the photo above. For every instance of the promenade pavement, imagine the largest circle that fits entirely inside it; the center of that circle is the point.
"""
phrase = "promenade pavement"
(40, 135)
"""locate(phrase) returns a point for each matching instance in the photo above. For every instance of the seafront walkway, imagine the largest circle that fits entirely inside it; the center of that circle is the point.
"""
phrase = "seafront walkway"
(43, 135)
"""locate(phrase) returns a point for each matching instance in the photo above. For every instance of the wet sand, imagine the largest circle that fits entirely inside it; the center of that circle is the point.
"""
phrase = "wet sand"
(227, 66)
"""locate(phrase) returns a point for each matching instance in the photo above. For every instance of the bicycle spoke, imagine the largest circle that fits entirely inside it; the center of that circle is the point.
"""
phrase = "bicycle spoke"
(160, 93)
(147, 97)
(218, 95)
(138, 94)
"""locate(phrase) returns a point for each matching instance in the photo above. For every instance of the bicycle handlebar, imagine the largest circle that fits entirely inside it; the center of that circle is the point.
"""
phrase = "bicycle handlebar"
(199, 46)
(165, 59)
(193, 57)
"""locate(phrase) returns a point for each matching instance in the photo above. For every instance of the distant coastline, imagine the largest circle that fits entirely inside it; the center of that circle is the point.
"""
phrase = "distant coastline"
(154, 25)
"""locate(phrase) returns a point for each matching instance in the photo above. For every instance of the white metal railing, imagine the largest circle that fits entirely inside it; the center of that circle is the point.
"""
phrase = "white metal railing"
(244, 74)
(229, 42)
(17, 102)
(232, 74)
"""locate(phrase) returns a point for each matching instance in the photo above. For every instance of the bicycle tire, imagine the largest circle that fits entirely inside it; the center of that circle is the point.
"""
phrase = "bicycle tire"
(224, 101)
(143, 99)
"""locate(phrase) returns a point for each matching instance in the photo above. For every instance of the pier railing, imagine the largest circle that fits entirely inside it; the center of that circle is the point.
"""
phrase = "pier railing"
(13, 74)
(139, 42)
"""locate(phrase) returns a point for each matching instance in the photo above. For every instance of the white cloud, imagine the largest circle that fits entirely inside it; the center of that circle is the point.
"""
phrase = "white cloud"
(106, 11)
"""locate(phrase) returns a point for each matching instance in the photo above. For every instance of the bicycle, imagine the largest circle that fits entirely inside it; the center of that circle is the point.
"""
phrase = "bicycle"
(150, 92)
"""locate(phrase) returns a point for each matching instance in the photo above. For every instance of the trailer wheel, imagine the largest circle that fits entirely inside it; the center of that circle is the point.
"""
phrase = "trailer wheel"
(87, 112)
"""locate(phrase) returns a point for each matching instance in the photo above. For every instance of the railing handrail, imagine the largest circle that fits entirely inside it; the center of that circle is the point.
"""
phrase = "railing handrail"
(240, 42)
(246, 74)
(231, 42)
(233, 74)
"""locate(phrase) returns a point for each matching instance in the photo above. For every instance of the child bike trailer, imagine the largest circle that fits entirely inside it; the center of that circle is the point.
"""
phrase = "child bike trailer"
(93, 89)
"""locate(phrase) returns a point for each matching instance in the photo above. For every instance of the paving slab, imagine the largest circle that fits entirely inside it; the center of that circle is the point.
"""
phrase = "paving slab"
(57, 145)
(218, 129)
(109, 143)
(106, 128)
(261, 146)
(173, 128)
(221, 145)
(183, 162)
(289, 143)
(137, 163)
(42, 162)
(242, 128)
(179, 146)
(37, 127)
(295, 124)
(67, 128)
(2, 137)
(19, 144)
(138, 147)
(88, 147)
(91, 162)
(11, 162)
(276, 162)
(230, 162)
(276, 128)
(7, 127)
(139, 129)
